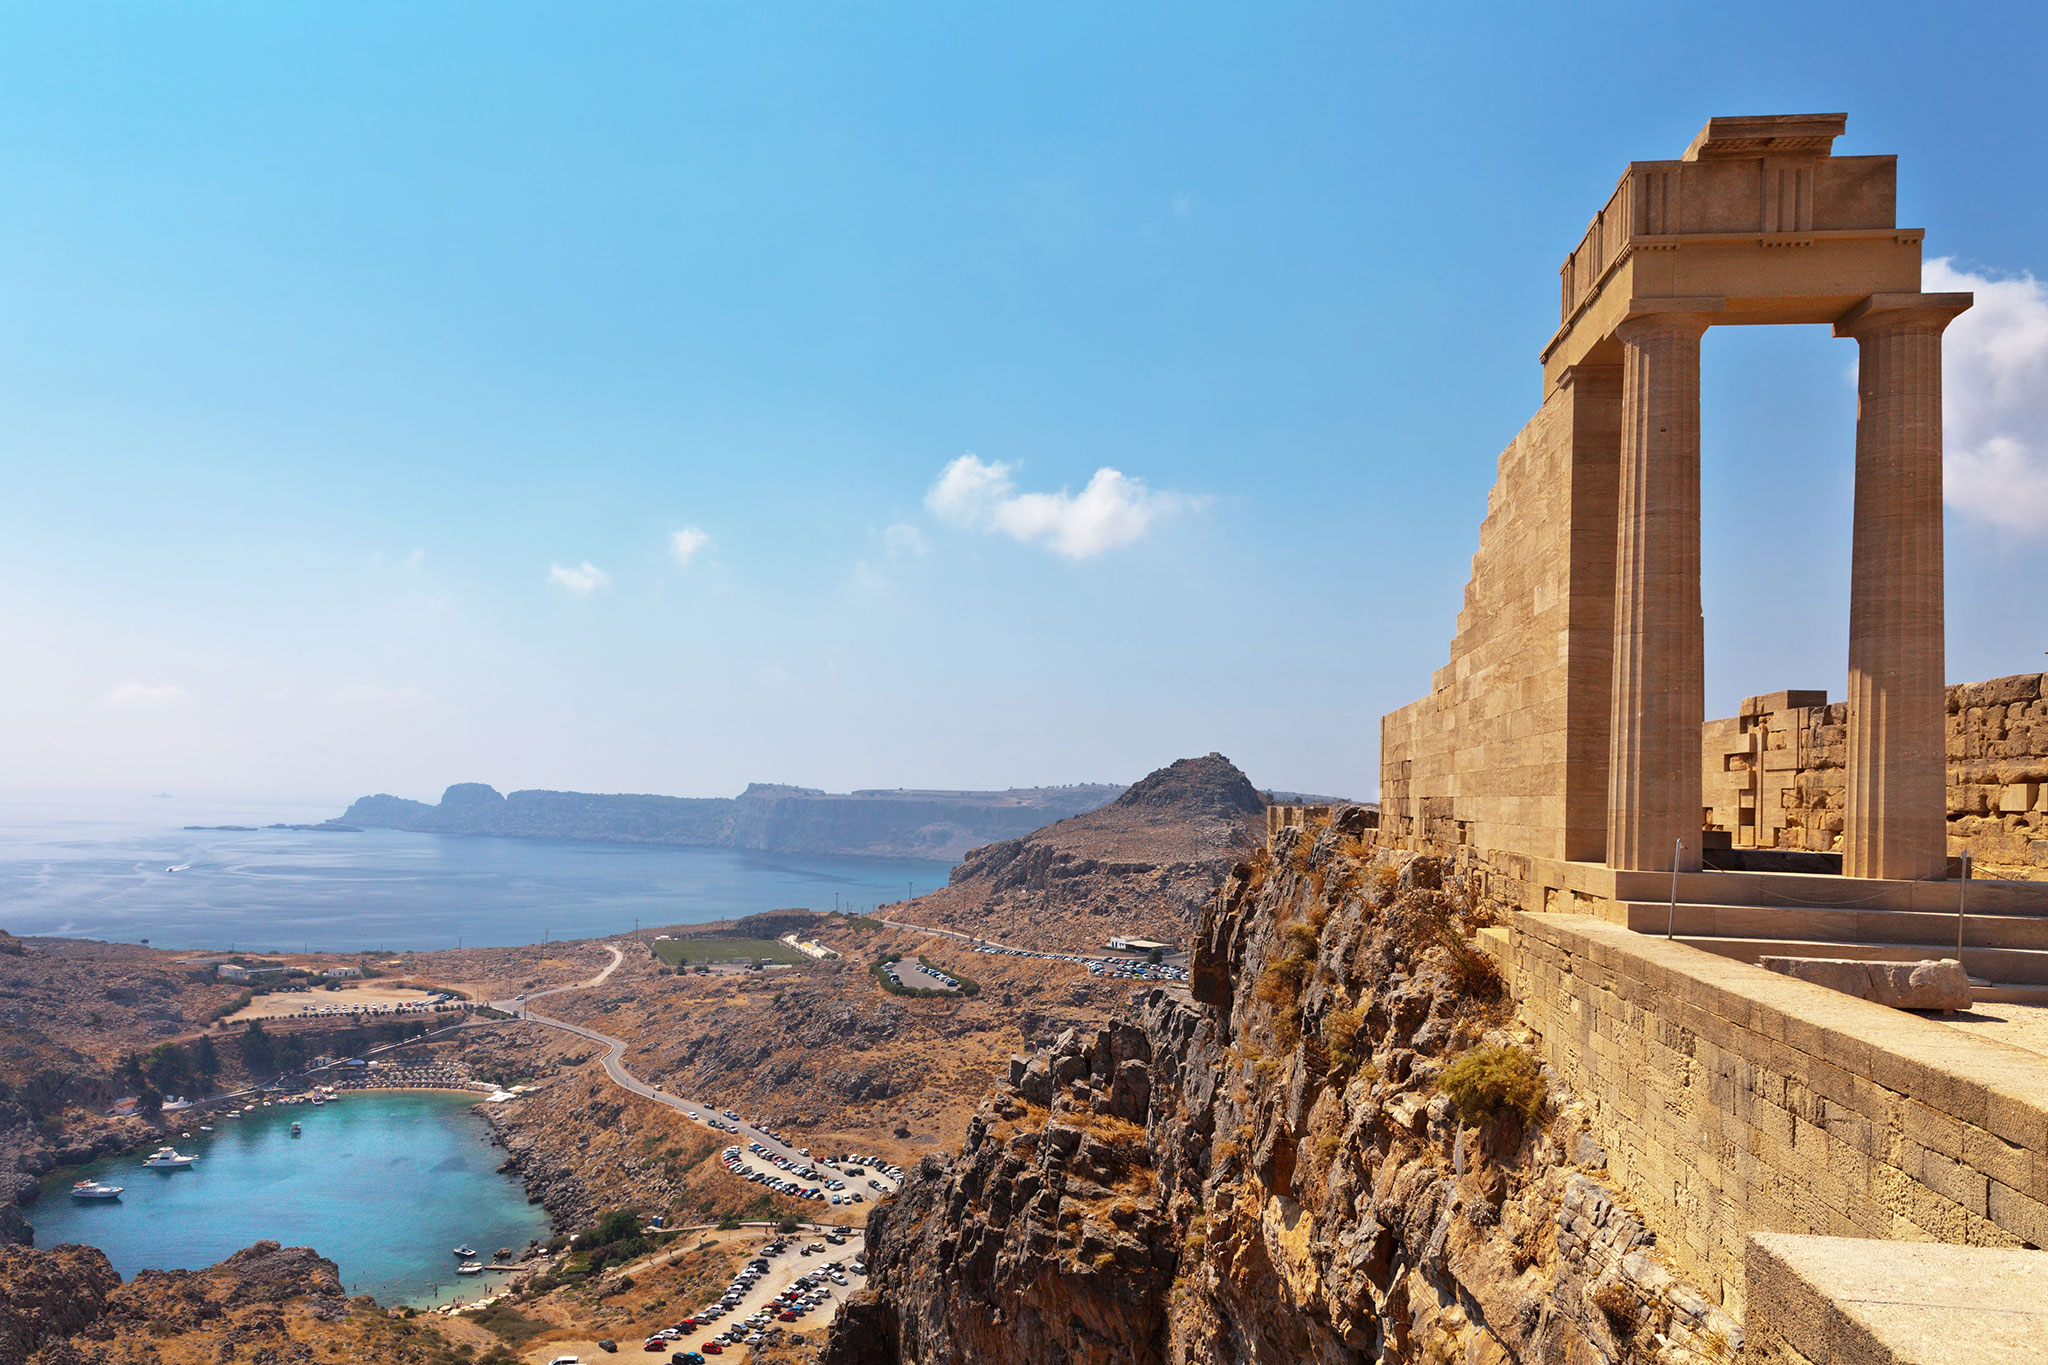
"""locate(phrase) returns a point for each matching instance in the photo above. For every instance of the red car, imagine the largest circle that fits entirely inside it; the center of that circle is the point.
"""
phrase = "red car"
(712, 1348)
(786, 1316)
(654, 1344)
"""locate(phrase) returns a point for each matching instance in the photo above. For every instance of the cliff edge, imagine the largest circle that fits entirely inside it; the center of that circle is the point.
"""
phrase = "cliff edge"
(1335, 1147)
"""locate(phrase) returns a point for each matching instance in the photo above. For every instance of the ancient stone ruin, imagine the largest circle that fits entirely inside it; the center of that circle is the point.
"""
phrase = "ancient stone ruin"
(1563, 752)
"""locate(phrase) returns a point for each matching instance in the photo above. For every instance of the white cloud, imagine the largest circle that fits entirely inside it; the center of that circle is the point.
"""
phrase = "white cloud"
(416, 560)
(687, 544)
(904, 541)
(1995, 398)
(145, 694)
(1114, 510)
(582, 579)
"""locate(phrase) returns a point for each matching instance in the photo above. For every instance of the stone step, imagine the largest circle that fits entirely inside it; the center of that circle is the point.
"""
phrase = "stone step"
(2003, 968)
(1830, 924)
(1799, 890)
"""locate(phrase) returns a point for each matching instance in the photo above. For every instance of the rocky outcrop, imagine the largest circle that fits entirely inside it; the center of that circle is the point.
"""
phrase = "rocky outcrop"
(66, 1305)
(767, 816)
(1334, 1148)
(45, 1295)
(1142, 865)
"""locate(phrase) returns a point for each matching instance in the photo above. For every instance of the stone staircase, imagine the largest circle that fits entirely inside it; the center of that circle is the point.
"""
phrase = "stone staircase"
(1748, 915)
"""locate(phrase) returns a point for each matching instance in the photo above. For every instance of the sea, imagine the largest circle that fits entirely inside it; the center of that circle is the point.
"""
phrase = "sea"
(132, 872)
(385, 1183)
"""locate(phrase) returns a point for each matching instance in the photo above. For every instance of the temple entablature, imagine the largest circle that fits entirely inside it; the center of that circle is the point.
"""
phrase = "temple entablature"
(1758, 222)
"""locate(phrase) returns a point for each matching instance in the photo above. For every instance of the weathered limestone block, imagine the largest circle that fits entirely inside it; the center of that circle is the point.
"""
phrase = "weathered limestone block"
(1838, 1300)
(1936, 984)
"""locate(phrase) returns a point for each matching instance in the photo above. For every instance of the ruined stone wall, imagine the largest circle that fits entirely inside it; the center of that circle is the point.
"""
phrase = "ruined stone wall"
(1509, 749)
(1776, 774)
(1731, 1100)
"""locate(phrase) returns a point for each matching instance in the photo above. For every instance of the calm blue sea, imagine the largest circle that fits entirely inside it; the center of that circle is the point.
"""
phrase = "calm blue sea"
(385, 1184)
(133, 873)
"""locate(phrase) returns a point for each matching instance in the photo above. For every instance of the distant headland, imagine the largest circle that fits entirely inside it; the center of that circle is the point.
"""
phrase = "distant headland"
(903, 823)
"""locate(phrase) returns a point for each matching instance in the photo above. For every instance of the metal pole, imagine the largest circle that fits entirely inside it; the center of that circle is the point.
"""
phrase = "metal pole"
(1962, 898)
(1677, 855)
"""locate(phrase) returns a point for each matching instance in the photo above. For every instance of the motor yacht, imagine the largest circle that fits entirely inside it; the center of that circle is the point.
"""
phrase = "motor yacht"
(167, 1157)
(93, 1189)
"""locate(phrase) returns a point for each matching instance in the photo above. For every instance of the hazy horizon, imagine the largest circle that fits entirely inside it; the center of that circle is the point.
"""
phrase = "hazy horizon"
(658, 399)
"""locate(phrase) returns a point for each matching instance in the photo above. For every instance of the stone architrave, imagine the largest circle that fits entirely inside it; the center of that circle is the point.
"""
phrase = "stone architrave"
(1896, 823)
(1658, 697)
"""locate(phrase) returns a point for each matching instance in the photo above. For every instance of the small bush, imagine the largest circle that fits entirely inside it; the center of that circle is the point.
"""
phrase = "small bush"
(1495, 1080)
(1340, 1036)
(1617, 1305)
(1323, 1151)
(507, 1323)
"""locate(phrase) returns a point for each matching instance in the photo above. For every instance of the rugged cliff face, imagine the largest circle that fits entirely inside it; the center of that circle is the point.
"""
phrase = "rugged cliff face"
(1331, 1149)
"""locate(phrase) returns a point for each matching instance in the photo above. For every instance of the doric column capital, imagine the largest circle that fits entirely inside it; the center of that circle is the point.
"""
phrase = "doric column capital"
(1902, 312)
(1677, 317)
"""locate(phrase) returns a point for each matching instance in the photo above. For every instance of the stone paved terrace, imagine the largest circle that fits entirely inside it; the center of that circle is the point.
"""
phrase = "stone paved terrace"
(1732, 1100)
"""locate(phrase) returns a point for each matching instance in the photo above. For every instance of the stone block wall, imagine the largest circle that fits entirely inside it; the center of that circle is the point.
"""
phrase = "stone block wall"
(1776, 773)
(1509, 749)
(1731, 1100)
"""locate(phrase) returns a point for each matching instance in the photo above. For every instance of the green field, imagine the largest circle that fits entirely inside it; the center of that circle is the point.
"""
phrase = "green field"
(678, 950)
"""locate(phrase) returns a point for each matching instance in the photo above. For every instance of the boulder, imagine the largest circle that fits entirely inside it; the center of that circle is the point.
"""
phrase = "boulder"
(1934, 984)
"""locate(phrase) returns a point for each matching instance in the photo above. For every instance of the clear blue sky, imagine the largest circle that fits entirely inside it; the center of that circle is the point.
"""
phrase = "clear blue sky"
(360, 365)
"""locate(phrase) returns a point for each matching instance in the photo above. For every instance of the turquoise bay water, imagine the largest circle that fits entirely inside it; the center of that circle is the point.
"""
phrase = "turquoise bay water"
(383, 1183)
(126, 873)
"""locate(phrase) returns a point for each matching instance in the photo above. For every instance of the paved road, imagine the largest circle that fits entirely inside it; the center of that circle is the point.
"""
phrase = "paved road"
(614, 1067)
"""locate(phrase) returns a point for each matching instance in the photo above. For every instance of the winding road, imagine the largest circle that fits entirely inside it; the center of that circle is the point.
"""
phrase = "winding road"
(615, 1068)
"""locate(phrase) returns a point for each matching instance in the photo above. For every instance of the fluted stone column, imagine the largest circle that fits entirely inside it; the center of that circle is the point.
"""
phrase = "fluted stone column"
(1659, 695)
(1897, 822)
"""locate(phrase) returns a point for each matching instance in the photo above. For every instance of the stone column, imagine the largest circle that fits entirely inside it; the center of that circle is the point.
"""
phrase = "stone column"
(1659, 694)
(1897, 821)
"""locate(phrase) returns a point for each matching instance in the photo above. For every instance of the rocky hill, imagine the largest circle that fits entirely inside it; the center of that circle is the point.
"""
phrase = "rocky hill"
(1334, 1148)
(66, 1306)
(1142, 865)
(70, 1011)
(902, 824)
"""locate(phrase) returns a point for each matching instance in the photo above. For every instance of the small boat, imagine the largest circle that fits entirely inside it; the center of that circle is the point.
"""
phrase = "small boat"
(470, 1268)
(164, 1157)
(295, 1130)
(93, 1189)
(205, 1127)
(465, 1251)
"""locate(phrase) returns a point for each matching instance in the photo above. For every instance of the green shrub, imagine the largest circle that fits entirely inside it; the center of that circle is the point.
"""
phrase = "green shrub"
(1340, 1036)
(507, 1323)
(1494, 1080)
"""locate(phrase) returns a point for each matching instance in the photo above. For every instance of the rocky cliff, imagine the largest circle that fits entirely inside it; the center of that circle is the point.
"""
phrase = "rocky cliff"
(899, 824)
(1142, 865)
(1333, 1148)
(66, 1306)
